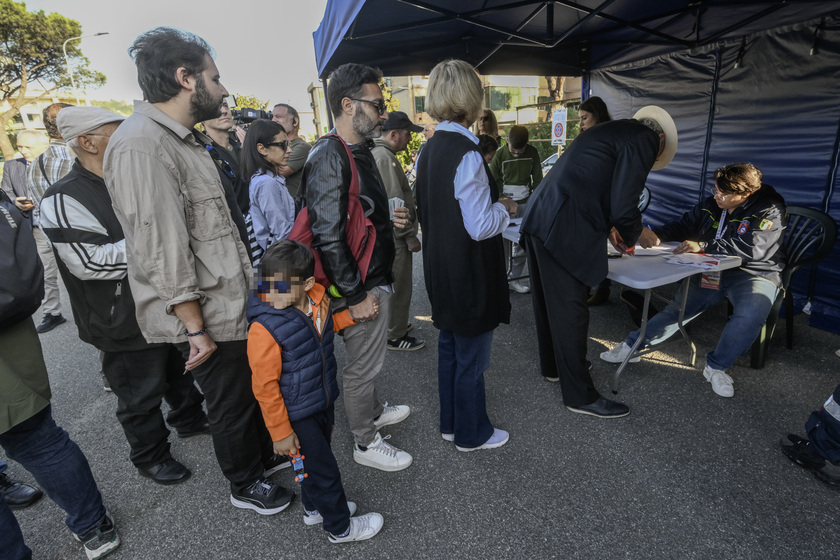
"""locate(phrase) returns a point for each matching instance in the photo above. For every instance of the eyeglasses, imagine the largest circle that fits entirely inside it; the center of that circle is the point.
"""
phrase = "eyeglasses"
(283, 144)
(279, 286)
(719, 195)
(379, 104)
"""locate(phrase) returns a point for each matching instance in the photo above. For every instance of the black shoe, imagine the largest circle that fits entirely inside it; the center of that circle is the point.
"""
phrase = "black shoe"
(601, 295)
(263, 497)
(50, 322)
(800, 451)
(17, 494)
(169, 471)
(602, 408)
(102, 540)
(196, 429)
(276, 463)
(406, 343)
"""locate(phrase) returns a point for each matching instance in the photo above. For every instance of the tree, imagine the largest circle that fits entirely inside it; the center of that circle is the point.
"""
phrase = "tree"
(250, 102)
(31, 52)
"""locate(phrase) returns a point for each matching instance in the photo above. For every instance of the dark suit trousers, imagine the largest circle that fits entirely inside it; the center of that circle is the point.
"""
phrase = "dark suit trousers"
(562, 320)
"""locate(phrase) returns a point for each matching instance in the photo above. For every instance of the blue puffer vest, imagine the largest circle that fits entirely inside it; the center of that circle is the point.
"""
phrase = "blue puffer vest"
(308, 382)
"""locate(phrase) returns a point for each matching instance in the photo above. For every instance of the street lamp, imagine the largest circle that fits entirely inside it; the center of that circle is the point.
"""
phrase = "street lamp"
(67, 60)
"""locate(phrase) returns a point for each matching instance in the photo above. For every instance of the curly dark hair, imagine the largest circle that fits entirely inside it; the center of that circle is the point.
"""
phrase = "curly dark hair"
(738, 178)
(159, 53)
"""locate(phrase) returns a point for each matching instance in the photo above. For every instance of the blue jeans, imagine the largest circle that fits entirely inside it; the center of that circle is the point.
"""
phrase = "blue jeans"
(751, 297)
(60, 468)
(462, 361)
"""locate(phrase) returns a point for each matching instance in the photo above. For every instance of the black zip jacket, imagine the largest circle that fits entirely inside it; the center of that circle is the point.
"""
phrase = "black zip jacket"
(754, 231)
(324, 191)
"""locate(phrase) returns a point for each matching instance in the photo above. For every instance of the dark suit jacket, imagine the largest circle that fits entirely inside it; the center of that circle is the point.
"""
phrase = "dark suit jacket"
(14, 178)
(594, 186)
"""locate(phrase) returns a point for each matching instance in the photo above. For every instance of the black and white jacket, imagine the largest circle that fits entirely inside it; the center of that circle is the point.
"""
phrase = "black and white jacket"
(77, 216)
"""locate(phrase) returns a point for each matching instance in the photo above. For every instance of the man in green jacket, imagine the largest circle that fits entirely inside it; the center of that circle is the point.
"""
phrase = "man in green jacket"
(28, 433)
(516, 169)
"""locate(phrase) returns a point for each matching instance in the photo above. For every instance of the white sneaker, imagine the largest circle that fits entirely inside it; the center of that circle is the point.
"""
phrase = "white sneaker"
(447, 437)
(498, 439)
(383, 456)
(519, 287)
(618, 353)
(721, 382)
(314, 518)
(392, 415)
(361, 528)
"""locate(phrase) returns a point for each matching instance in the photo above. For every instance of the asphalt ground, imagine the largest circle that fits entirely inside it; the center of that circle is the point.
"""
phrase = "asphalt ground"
(687, 475)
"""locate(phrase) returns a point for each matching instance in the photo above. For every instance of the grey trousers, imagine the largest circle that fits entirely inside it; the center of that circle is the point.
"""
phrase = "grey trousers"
(52, 298)
(403, 288)
(365, 346)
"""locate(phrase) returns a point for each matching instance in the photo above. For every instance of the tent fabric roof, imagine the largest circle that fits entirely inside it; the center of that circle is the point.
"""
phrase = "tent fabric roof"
(528, 37)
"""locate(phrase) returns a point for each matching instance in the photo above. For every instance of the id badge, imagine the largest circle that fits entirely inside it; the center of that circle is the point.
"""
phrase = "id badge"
(710, 279)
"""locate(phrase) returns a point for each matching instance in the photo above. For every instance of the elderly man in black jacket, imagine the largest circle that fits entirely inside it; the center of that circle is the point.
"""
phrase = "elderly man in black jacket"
(77, 216)
(744, 218)
(592, 189)
(359, 108)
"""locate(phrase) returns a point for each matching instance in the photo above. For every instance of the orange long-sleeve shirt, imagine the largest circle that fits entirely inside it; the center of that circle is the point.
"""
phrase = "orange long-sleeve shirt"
(265, 358)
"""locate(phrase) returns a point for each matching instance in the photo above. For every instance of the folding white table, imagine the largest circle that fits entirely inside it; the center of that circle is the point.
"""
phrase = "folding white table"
(646, 271)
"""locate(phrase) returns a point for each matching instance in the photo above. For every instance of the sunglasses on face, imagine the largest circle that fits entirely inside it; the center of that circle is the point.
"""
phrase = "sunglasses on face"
(283, 144)
(379, 104)
(279, 286)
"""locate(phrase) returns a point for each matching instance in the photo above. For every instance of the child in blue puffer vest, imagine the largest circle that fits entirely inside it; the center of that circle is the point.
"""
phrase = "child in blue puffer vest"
(290, 349)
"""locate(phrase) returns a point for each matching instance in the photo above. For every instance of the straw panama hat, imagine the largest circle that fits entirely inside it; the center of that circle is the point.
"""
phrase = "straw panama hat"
(661, 116)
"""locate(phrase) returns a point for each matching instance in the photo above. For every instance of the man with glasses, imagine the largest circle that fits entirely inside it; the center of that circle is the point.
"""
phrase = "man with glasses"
(356, 101)
(745, 218)
(287, 116)
(78, 218)
(517, 169)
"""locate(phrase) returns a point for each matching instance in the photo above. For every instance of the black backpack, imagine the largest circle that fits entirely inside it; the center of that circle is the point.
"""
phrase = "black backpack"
(21, 271)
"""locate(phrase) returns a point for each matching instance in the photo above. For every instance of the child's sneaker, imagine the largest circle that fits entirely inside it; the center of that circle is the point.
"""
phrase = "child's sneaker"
(314, 518)
(392, 415)
(361, 528)
(618, 353)
(102, 540)
(263, 497)
(380, 455)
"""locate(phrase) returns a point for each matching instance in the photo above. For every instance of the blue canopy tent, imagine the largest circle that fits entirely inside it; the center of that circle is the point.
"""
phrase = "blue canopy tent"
(744, 80)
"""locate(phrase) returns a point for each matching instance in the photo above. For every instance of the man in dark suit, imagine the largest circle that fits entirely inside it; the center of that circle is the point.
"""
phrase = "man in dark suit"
(30, 144)
(591, 191)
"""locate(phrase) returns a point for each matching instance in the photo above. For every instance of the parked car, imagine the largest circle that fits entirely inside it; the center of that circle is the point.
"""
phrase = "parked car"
(548, 163)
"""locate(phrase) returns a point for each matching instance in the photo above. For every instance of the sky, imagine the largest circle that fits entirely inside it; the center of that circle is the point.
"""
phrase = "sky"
(263, 48)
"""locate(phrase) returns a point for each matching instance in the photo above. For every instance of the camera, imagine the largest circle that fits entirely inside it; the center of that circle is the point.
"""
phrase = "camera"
(247, 115)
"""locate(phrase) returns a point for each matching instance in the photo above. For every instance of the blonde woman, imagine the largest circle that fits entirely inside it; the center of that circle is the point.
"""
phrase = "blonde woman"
(462, 219)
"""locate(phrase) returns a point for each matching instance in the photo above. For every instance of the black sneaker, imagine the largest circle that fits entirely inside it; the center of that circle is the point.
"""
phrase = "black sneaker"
(407, 343)
(50, 322)
(263, 497)
(102, 540)
(276, 463)
(800, 451)
(17, 494)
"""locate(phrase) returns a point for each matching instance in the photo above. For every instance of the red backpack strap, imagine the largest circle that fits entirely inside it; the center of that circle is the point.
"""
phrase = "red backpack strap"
(354, 173)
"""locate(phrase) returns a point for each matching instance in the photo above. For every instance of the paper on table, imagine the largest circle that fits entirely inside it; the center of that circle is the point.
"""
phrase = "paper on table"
(700, 260)
(666, 248)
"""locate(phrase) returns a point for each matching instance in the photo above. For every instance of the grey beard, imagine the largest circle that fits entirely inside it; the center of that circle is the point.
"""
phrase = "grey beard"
(365, 128)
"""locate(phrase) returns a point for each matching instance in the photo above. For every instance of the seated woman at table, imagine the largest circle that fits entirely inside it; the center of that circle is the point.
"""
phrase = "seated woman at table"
(745, 218)
(462, 218)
